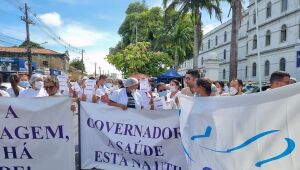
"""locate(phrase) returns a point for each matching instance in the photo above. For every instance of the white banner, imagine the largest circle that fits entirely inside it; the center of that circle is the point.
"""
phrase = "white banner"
(256, 131)
(130, 140)
(36, 134)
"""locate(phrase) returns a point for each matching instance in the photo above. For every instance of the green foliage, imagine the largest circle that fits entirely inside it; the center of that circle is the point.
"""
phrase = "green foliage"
(139, 58)
(78, 64)
(166, 35)
(32, 45)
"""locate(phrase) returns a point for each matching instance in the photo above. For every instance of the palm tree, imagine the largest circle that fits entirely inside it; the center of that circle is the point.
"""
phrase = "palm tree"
(195, 7)
(236, 6)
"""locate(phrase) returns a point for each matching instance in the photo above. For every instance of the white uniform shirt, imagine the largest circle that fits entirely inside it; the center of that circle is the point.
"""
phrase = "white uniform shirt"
(29, 93)
(11, 92)
(120, 96)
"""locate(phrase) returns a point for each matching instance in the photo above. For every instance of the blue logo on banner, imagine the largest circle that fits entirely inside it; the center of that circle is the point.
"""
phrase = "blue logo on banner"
(289, 149)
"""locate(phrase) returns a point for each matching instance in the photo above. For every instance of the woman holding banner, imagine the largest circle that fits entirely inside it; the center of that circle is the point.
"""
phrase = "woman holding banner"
(127, 97)
(37, 88)
(15, 89)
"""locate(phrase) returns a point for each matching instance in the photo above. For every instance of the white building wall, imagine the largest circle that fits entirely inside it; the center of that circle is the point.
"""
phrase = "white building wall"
(246, 54)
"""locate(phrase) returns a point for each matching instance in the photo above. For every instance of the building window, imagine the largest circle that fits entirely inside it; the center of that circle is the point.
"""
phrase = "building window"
(208, 44)
(254, 17)
(216, 40)
(284, 5)
(255, 42)
(283, 33)
(247, 46)
(225, 36)
(282, 64)
(248, 25)
(267, 68)
(224, 74)
(246, 72)
(254, 69)
(268, 38)
(224, 54)
(269, 10)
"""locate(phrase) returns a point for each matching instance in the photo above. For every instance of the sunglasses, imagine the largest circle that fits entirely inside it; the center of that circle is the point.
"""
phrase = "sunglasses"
(49, 87)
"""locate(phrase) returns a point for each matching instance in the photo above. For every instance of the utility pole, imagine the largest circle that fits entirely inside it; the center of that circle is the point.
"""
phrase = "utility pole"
(82, 51)
(99, 71)
(95, 69)
(27, 20)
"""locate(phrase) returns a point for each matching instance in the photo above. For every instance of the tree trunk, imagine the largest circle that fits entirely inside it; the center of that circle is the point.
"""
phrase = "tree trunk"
(236, 7)
(196, 37)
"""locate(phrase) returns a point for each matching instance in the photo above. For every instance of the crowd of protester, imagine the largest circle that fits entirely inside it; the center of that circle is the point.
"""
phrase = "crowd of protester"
(128, 93)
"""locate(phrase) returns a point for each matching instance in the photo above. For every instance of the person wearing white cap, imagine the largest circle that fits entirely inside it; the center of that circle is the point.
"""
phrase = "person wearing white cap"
(37, 88)
(127, 97)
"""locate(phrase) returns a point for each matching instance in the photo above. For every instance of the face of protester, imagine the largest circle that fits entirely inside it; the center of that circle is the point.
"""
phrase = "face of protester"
(235, 84)
(190, 81)
(51, 88)
(162, 90)
(219, 87)
(133, 88)
(285, 81)
(201, 91)
(100, 82)
(38, 84)
(173, 87)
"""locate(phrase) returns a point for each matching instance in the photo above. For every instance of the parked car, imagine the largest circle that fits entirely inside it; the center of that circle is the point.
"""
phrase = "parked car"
(250, 88)
(5, 86)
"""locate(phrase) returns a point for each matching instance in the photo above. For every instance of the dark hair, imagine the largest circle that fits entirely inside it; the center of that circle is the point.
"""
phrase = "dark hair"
(91, 78)
(14, 80)
(160, 84)
(278, 76)
(240, 82)
(206, 84)
(193, 73)
(220, 82)
(120, 82)
(176, 82)
(102, 77)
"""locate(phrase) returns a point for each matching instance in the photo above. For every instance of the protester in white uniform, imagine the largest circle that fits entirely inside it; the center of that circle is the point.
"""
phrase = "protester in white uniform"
(37, 88)
(15, 89)
(174, 91)
(102, 92)
(146, 93)
(127, 97)
(167, 103)
(24, 83)
(203, 87)
(51, 85)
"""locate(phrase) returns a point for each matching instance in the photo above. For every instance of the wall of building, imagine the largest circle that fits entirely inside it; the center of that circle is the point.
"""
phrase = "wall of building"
(247, 55)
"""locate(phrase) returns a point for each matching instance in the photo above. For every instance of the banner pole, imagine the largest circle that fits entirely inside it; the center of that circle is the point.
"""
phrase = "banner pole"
(79, 136)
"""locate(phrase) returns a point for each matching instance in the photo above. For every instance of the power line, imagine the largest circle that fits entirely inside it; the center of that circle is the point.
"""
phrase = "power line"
(44, 28)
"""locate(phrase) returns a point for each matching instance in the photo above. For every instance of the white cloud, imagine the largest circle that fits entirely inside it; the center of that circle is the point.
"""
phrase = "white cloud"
(80, 36)
(97, 56)
(209, 27)
(51, 19)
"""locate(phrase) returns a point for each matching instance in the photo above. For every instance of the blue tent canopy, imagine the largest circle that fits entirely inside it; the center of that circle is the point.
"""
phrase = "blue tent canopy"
(171, 73)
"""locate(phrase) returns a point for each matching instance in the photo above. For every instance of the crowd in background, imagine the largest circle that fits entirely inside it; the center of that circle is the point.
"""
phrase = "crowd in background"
(131, 92)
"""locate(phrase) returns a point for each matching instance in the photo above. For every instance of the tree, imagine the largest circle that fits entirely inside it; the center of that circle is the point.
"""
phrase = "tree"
(139, 58)
(32, 45)
(195, 7)
(78, 64)
(236, 6)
